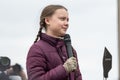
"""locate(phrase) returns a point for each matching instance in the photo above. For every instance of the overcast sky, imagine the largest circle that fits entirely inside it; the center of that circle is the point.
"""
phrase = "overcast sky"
(93, 25)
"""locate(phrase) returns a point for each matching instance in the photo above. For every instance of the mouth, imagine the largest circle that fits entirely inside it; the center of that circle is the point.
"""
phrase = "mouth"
(65, 29)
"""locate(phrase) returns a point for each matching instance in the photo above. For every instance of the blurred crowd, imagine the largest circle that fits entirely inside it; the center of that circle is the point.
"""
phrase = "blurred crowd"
(11, 72)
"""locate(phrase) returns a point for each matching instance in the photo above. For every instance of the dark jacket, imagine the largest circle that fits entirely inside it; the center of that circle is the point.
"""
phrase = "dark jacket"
(46, 58)
(3, 76)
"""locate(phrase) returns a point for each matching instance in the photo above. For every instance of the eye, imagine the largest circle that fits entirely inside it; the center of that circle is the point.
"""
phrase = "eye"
(63, 18)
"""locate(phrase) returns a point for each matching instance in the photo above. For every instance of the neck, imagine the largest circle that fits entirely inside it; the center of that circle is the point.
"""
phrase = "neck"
(55, 36)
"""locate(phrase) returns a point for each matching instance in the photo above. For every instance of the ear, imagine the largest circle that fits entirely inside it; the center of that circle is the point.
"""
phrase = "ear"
(47, 20)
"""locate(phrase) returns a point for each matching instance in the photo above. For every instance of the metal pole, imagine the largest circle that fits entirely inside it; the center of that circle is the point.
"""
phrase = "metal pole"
(119, 38)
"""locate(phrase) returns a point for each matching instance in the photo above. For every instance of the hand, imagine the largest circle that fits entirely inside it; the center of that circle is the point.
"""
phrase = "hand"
(9, 71)
(70, 64)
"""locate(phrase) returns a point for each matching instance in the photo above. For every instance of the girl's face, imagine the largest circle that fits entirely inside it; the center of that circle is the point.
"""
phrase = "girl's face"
(57, 24)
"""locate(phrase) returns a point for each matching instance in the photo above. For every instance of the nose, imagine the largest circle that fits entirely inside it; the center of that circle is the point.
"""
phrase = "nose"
(66, 23)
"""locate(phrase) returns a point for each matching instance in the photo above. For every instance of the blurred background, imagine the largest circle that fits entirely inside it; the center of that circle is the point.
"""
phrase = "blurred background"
(92, 26)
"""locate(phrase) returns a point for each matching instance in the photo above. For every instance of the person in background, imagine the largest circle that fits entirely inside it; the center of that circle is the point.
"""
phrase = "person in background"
(18, 71)
(14, 72)
(47, 58)
(10, 72)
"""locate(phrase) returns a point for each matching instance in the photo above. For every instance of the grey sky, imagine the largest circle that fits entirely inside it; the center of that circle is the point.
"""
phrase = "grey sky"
(93, 25)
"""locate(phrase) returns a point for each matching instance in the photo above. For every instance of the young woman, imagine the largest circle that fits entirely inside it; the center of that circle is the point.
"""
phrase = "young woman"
(47, 58)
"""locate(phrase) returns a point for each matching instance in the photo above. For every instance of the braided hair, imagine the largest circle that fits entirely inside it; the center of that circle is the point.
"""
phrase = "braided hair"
(47, 12)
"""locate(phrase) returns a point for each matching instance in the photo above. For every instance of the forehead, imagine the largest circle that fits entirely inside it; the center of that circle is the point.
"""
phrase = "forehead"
(61, 12)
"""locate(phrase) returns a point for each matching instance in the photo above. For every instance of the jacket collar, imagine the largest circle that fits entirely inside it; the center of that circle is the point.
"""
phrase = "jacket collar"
(52, 41)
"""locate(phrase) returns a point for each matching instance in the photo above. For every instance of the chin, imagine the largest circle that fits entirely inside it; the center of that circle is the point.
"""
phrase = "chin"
(63, 34)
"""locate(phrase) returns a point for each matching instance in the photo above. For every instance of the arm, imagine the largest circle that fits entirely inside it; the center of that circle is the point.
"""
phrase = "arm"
(37, 66)
(22, 75)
